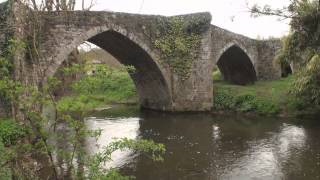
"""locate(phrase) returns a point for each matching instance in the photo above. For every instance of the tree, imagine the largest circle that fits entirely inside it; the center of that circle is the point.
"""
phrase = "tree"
(301, 46)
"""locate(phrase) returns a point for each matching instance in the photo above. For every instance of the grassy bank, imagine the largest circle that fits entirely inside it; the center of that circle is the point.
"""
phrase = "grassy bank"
(105, 86)
(263, 97)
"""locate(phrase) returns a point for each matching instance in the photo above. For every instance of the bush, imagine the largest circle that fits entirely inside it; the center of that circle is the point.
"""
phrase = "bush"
(267, 107)
(5, 173)
(307, 84)
(10, 132)
(245, 103)
(224, 100)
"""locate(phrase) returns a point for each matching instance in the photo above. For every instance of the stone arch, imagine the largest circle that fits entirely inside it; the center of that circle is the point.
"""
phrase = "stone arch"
(128, 49)
(236, 65)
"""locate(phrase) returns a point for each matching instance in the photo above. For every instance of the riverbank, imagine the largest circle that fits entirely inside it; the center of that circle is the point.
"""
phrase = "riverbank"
(109, 86)
(271, 98)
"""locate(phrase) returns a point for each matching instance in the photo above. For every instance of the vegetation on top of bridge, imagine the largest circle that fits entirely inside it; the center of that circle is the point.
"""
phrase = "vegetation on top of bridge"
(179, 38)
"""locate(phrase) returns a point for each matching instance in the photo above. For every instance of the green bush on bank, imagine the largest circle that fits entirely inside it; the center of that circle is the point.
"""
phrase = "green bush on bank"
(263, 97)
(243, 103)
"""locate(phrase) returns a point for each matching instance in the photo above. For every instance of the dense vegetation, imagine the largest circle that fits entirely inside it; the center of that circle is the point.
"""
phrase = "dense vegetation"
(301, 48)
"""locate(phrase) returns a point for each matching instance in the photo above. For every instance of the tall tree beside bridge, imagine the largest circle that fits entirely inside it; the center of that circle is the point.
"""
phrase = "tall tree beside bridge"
(301, 48)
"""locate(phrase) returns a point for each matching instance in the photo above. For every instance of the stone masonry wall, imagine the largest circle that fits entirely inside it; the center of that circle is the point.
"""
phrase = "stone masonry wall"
(267, 68)
(130, 38)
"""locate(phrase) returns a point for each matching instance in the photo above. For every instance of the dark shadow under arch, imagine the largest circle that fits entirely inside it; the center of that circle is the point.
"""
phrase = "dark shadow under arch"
(236, 66)
(151, 86)
(285, 69)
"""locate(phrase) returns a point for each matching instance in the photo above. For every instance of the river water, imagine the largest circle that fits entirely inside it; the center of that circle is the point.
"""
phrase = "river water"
(203, 146)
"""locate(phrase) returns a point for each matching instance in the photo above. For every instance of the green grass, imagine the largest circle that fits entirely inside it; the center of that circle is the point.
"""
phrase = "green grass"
(276, 91)
(265, 97)
(107, 86)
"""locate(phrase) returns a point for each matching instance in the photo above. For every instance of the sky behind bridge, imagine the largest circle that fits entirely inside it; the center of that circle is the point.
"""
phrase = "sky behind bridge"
(233, 15)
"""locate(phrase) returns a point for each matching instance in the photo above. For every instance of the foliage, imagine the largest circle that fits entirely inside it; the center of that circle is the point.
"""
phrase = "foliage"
(144, 146)
(10, 132)
(9, 89)
(308, 84)
(216, 75)
(243, 103)
(301, 47)
(177, 44)
(5, 172)
(223, 101)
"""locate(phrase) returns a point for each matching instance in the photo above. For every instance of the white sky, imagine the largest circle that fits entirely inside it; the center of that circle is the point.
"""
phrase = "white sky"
(229, 14)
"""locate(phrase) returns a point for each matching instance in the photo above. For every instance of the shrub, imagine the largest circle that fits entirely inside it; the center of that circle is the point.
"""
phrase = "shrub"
(5, 172)
(10, 132)
(245, 103)
(223, 101)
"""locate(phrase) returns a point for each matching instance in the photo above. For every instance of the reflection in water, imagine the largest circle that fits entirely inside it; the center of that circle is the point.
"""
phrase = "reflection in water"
(111, 129)
(215, 132)
(263, 159)
(200, 146)
(290, 138)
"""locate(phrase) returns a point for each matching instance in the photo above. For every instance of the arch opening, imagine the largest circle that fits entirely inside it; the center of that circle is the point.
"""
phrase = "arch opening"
(285, 69)
(148, 79)
(236, 66)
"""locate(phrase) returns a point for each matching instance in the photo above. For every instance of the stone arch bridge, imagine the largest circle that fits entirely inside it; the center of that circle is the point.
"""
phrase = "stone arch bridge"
(131, 39)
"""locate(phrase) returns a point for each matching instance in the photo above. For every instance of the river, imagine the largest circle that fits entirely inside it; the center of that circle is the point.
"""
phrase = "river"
(204, 146)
